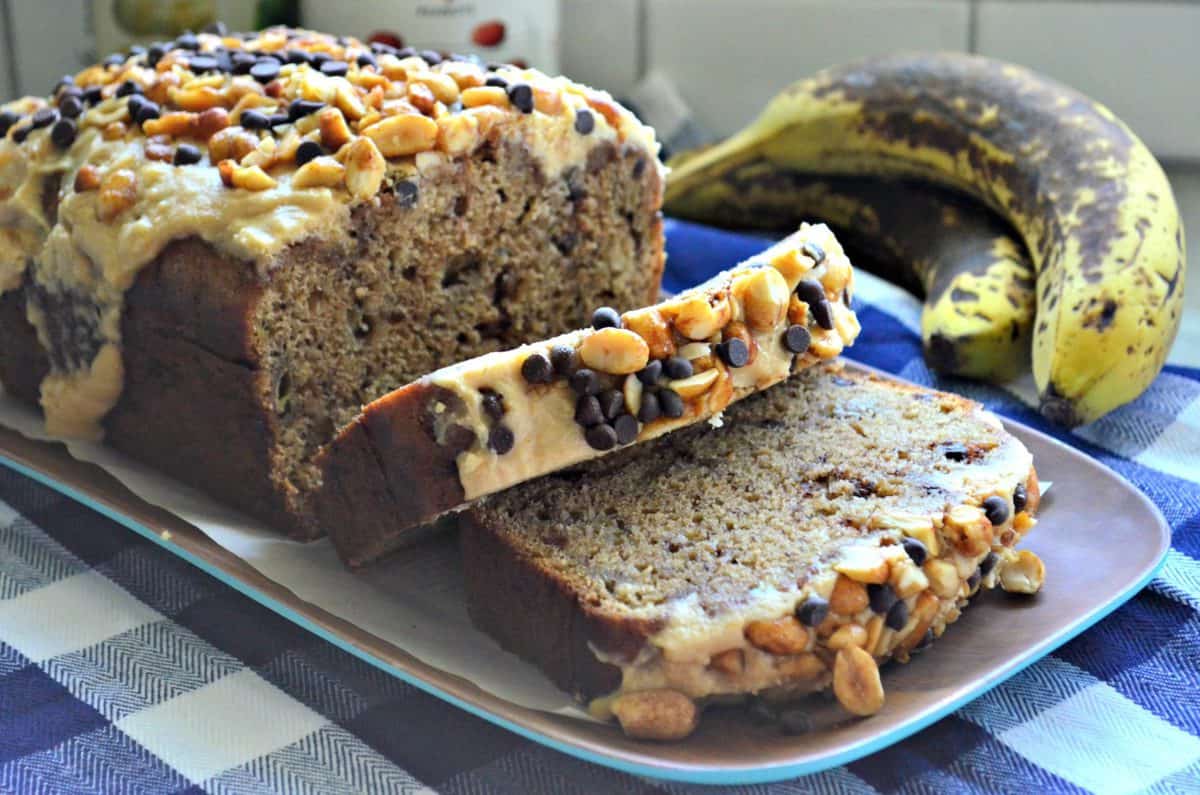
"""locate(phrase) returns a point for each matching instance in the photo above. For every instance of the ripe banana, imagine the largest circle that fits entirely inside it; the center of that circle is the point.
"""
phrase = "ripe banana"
(976, 279)
(1090, 202)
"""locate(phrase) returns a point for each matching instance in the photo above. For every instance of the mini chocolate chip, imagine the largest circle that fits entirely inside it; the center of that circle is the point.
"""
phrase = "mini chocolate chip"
(586, 382)
(601, 437)
(240, 63)
(564, 359)
(406, 193)
(606, 317)
(988, 563)
(639, 167)
(128, 87)
(822, 312)
(306, 151)
(501, 439)
(536, 369)
(319, 58)
(7, 119)
(626, 427)
(187, 41)
(496, 81)
(116, 59)
(585, 122)
(70, 107)
(650, 374)
(954, 451)
(996, 508)
(492, 403)
(813, 251)
(650, 410)
(21, 133)
(797, 338)
(146, 111)
(69, 91)
(813, 610)
(137, 49)
(897, 617)
(402, 53)
(432, 58)
(734, 352)
(299, 108)
(672, 404)
(279, 119)
(203, 63)
(521, 96)
(612, 403)
(44, 117)
(810, 291)
(882, 597)
(255, 120)
(587, 411)
(1020, 494)
(916, 550)
(187, 155)
(63, 133)
(298, 57)
(217, 28)
(155, 53)
(458, 438)
(335, 68)
(973, 580)
(678, 367)
(265, 70)
(93, 94)
(366, 59)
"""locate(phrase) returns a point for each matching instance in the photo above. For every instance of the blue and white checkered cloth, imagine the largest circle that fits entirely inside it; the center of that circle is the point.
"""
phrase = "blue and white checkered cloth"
(123, 669)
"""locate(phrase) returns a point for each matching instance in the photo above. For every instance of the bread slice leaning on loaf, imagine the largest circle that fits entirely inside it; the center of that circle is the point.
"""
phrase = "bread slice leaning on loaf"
(484, 425)
(833, 522)
(214, 251)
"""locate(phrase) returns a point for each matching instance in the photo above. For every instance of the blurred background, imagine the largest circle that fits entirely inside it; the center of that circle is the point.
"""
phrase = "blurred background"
(701, 69)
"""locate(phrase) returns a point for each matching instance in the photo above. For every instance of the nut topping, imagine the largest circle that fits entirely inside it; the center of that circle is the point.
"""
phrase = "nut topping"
(782, 636)
(614, 350)
(656, 714)
(856, 681)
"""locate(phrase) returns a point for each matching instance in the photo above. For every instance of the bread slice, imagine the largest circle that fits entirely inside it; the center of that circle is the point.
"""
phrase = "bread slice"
(489, 423)
(832, 522)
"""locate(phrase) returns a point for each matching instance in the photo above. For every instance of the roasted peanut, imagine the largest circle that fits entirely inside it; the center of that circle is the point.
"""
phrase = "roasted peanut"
(365, 167)
(605, 107)
(86, 178)
(943, 577)
(910, 524)
(225, 169)
(547, 100)
(118, 191)
(863, 564)
(173, 124)
(848, 597)
(1024, 573)
(847, 635)
(968, 528)
(793, 266)
(632, 390)
(730, 661)
(923, 613)
(466, 75)
(784, 635)
(801, 666)
(210, 122)
(651, 327)
(232, 143)
(656, 714)
(252, 178)
(764, 296)
(614, 350)
(421, 97)
(443, 86)
(696, 385)
(856, 681)
(334, 130)
(406, 134)
(195, 99)
(484, 95)
(826, 344)
(907, 579)
(320, 172)
(346, 99)
(457, 134)
(837, 274)
(700, 316)
(797, 311)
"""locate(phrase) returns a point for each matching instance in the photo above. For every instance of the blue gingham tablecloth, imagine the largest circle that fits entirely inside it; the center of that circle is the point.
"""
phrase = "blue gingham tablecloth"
(123, 669)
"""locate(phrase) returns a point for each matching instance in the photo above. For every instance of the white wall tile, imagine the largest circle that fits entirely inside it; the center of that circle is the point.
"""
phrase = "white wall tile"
(729, 58)
(1139, 58)
(598, 43)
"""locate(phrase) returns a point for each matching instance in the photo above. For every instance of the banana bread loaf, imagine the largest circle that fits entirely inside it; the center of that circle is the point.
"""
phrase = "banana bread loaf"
(215, 250)
(483, 425)
(835, 521)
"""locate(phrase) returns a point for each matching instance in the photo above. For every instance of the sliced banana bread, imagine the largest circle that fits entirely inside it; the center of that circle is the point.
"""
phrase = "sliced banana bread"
(486, 424)
(215, 250)
(833, 522)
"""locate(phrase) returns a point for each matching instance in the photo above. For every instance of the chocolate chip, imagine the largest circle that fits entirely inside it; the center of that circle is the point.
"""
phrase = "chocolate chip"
(155, 53)
(501, 439)
(678, 367)
(813, 610)
(21, 133)
(564, 359)
(7, 120)
(734, 352)
(402, 53)
(822, 312)
(797, 338)
(406, 193)
(255, 120)
(240, 63)
(601, 437)
(93, 94)
(306, 151)
(536, 369)
(996, 508)
(366, 59)
(44, 117)
(650, 374)
(585, 122)
(606, 317)
(300, 108)
(458, 438)
(973, 580)
(265, 70)
(639, 167)
(650, 410)
(146, 110)
(883, 597)
(217, 28)
(187, 41)
(430, 57)
(586, 382)
(203, 63)
(320, 58)
(897, 617)
(671, 403)
(492, 403)
(335, 68)
(954, 451)
(916, 550)
(587, 411)
(127, 88)
(810, 291)
(116, 59)
(279, 119)
(521, 96)
(496, 81)
(63, 133)
(612, 403)
(813, 251)
(186, 155)
(1020, 494)
(626, 427)
(988, 563)
(298, 57)
(70, 107)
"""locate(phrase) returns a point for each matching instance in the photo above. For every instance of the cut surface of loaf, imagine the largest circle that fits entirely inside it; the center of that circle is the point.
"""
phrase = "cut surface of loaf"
(484, 425)
(215, 251)
(834, 521)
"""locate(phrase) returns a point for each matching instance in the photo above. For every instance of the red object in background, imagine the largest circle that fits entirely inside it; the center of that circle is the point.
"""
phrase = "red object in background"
(386, 37)
(488, 34)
